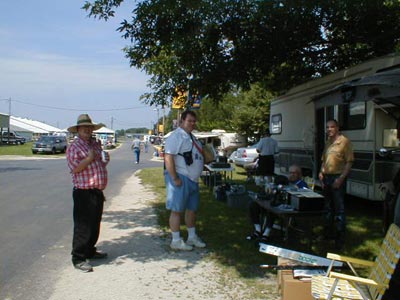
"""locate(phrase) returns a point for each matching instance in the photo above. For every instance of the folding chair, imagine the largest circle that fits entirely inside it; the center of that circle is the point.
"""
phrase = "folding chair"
(337, 286)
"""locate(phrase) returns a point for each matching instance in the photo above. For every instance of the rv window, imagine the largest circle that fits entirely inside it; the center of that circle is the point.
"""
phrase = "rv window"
(216, 142)
(276, 124)
(352, 116)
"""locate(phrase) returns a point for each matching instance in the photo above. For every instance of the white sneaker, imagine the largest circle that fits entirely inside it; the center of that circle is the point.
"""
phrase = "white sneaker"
(196, 242)
(180, 245)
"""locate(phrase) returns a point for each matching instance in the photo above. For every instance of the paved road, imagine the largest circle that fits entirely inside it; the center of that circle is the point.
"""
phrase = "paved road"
(36, 218)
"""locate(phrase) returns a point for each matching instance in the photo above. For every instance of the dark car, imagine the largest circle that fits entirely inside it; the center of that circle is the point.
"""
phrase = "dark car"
(50, 144)
(12, 138)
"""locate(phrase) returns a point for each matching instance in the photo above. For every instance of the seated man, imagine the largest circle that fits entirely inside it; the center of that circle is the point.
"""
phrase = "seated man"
(256, 210)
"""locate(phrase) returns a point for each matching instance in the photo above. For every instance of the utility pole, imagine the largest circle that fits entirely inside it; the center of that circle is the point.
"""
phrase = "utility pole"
(9, 117)
(158, 118)
(112, 122)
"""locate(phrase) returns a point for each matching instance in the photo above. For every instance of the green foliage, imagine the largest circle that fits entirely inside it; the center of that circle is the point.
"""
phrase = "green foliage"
(120, 132)
(142, 130)
(225, 44)
(245, 112)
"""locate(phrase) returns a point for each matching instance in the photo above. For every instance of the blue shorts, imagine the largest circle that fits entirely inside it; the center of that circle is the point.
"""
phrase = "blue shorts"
(180, 198)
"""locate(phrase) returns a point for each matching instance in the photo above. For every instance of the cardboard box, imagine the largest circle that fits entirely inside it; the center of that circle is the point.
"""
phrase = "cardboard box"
(294, 289)
(281, 261)
(279, 277)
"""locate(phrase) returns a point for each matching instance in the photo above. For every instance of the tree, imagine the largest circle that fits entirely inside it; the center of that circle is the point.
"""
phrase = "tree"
(221, 44)
(245, 112)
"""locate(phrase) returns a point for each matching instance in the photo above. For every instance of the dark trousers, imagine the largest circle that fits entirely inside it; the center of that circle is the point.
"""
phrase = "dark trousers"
(88, 209)
(334, 204)
(257, 215)
(266, 165)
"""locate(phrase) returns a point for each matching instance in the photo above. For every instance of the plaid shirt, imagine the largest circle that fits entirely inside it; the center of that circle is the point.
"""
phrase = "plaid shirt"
(94, 176)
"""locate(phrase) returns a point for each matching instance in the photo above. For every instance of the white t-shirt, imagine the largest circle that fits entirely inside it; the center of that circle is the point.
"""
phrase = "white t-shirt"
(178, 142)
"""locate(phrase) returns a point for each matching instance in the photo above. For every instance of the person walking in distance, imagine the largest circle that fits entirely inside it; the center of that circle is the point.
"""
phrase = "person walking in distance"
(184, 163)
(136, 149)
(87, 163)
(337, 159)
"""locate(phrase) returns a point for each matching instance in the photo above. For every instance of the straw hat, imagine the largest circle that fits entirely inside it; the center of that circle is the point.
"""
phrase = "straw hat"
(84, 120)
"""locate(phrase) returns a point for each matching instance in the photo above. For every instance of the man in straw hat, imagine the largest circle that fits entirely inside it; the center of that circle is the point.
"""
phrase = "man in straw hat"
(89, 177)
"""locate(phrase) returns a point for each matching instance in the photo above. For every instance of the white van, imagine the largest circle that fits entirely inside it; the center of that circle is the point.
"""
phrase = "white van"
(365, 100)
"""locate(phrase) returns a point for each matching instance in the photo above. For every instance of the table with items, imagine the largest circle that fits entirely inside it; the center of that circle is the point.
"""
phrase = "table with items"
(288, 203)
(215, 169)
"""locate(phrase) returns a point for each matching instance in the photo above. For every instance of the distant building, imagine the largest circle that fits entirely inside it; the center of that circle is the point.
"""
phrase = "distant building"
(29, 129)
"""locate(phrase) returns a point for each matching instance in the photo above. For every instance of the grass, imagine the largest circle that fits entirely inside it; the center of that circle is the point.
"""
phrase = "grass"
(224, 229)
(25, 150)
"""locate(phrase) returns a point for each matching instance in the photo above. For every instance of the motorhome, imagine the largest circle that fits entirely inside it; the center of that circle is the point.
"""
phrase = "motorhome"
(365, 100)
(223, 142)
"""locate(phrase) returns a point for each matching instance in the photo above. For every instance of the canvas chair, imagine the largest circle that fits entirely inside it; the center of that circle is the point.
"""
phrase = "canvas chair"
(337, 286)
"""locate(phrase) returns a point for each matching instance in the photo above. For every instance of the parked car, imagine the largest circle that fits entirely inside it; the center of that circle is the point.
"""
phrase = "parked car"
(246, 155)
(232, 157)
(50, 144)
(12, 138)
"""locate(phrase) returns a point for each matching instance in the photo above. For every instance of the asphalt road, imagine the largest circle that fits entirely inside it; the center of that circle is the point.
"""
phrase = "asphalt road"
(36, 218)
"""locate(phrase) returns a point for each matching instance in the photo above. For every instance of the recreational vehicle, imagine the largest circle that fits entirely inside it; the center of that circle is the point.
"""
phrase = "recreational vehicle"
(223, 142)
(365, 100)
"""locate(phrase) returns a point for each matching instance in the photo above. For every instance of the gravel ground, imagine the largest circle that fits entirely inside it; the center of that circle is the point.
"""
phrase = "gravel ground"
(140, 264)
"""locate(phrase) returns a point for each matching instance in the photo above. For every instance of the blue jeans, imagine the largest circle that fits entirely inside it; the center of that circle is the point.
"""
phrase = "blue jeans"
(137, 154)
(334, 205)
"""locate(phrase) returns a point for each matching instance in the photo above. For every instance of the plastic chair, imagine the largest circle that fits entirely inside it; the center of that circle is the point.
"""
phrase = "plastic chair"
(342, 286)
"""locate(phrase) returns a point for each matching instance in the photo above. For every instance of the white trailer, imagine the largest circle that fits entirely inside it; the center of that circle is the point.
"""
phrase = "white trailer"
(223, 142)
(365, 100)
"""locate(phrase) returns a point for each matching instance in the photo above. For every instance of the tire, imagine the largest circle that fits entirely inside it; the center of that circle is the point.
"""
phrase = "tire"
(53, 151)
(64, 150)
(34, 152)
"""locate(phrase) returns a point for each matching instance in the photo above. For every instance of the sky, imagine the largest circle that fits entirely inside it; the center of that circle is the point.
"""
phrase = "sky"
(56, 63)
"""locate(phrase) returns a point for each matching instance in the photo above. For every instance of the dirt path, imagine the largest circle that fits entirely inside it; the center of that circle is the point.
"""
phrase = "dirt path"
(140, 263)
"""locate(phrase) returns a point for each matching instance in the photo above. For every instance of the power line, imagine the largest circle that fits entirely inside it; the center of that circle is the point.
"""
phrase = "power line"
(76, 109)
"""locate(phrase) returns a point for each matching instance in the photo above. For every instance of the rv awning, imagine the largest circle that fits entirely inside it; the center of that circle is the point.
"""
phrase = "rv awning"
(383, 87)
(198, 134)
(205, 135)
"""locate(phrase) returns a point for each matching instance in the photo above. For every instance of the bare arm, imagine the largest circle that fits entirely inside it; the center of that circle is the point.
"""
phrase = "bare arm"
(170, 166)
(339, 181)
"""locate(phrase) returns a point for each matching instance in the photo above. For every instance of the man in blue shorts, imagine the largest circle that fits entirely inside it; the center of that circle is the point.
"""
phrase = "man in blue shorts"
(184, 163)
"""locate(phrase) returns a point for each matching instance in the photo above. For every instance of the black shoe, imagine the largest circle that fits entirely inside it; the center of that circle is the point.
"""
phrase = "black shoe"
(83, 266)
(253, 236)
(99, 255)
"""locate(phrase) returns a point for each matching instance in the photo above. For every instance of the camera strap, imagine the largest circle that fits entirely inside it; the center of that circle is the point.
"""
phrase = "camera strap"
(192, 145)
(196, 145)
